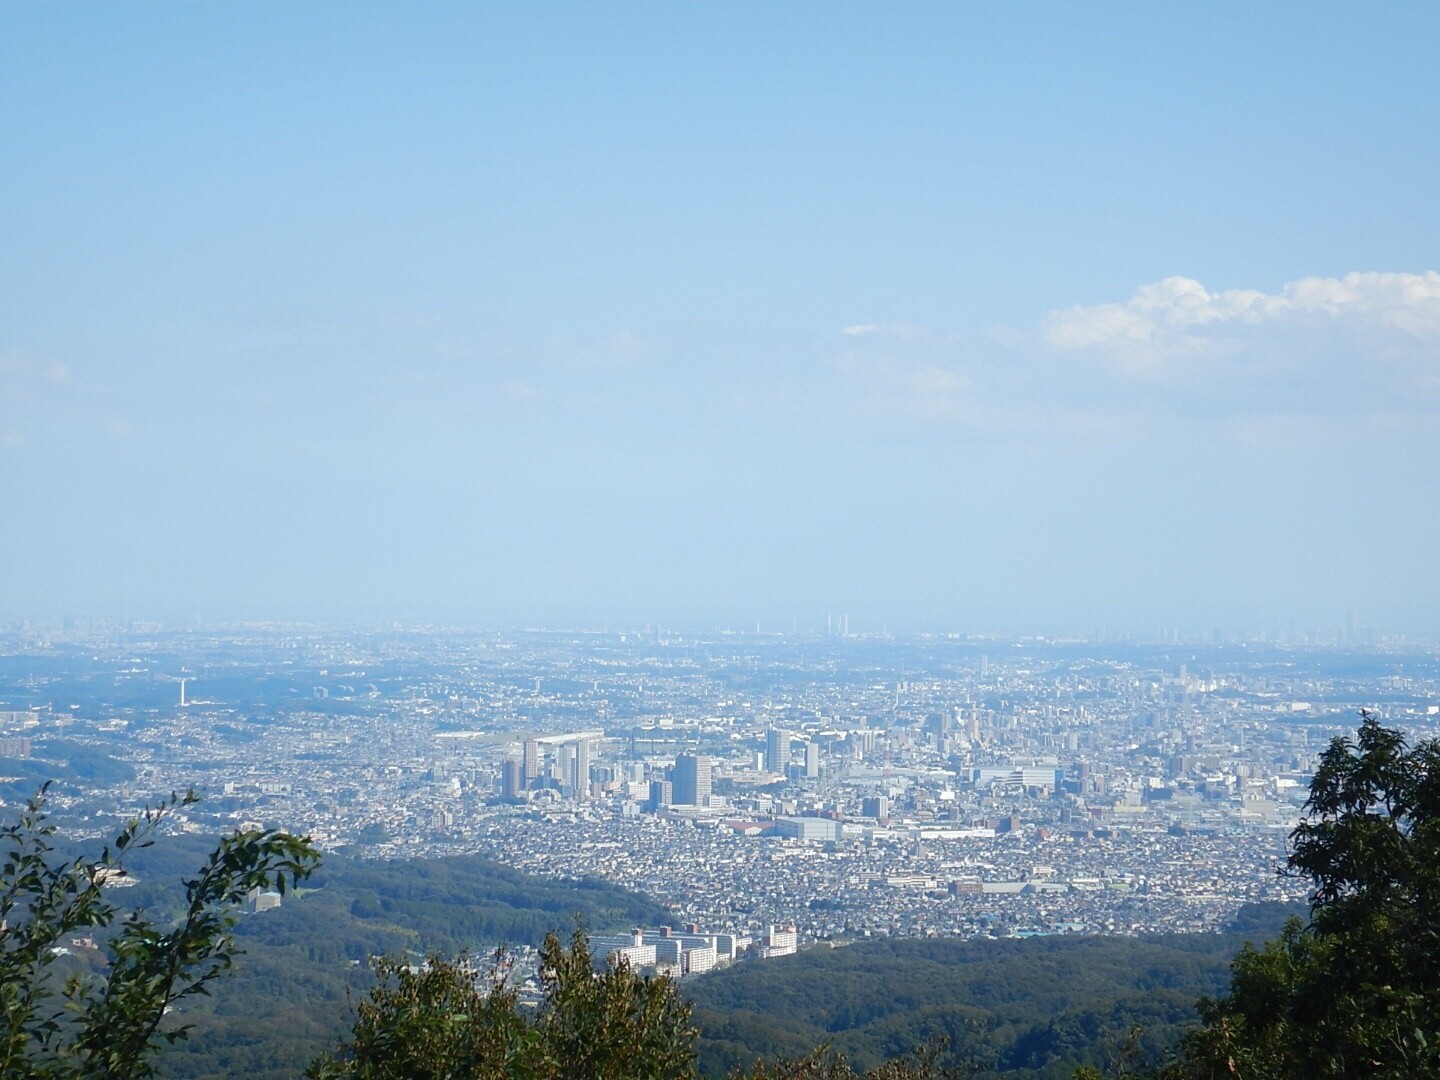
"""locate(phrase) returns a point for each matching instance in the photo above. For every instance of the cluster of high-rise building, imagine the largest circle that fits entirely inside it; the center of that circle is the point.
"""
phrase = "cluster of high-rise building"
(840, 785)
(559, 764)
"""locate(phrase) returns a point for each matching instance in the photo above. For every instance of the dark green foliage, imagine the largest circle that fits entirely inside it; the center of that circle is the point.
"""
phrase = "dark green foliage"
(435, 1023)
(290, 997)
(61, 760)
(109, 1023)
(429, 1022)
(614, 1026)
(924, 1063)
(1265, 917)
(354, 909)
(1034, 1008)
(1356, 991)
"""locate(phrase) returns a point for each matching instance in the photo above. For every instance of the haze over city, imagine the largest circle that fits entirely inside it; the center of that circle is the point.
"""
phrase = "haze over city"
(940, 317)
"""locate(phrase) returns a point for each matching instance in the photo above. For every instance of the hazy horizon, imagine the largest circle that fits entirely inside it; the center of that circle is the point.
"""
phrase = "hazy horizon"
(950, 317)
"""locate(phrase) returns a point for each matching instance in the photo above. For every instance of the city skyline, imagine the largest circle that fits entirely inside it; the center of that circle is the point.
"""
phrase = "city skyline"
(843, 787)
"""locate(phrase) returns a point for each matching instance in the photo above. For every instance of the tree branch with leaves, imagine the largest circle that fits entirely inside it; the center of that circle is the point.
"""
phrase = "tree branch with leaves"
(112, 1026)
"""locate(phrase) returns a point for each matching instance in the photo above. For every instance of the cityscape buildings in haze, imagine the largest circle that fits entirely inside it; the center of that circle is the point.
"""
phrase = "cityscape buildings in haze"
(949, 783)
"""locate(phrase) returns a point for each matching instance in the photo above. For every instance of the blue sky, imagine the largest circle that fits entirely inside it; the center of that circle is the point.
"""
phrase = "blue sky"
(965, 316)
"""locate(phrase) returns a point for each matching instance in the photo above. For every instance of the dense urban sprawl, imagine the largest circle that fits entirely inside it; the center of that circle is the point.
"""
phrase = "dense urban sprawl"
(769, 788)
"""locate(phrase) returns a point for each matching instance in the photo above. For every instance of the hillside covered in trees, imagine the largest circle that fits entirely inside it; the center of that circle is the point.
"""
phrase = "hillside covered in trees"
(1034, 1008)
(1028, 1008)
(289, 997)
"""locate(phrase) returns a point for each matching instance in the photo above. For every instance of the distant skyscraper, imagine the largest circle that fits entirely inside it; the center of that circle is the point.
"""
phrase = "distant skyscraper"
(582, 769)
(530, 770)
(777, 751)
(812, 761)
(692, 779)
(512, 779)
(565, 768)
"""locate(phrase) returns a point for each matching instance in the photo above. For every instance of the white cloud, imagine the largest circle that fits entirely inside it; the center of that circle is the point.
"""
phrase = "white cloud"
(1408, 302)
(520, 389)
(933, 380)
(1179, 315)
(888, 330)
(41, 397)
(1364, 347)
(23, 368)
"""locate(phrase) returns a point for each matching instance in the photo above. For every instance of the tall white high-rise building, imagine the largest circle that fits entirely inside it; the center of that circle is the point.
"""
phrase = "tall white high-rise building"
(565, 767)
(530, 763)
(777, 750)
(582, 769)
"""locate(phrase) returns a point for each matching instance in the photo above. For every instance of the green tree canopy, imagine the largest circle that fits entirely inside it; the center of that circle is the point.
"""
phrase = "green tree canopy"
(111, 1025)
(1356, 990)
(436, 1022)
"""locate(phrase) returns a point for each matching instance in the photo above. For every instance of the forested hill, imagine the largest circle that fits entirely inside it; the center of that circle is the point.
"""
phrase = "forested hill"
(1035, 1008)
(289, 997)
(1032, 1008)
(354, 908)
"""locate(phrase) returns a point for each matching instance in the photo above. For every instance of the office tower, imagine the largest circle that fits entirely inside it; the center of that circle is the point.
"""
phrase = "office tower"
(777, 751)
(512, 779)
(582, 769)
(530, 770)
(812, 761)
(565, 768)
(692, 779)
(935, 727)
